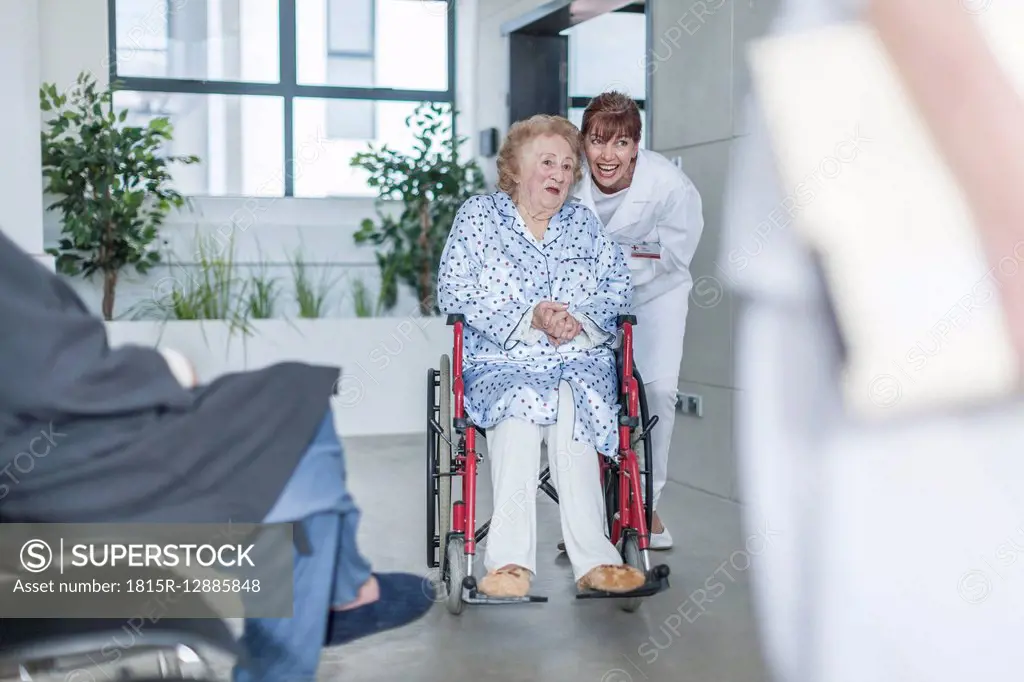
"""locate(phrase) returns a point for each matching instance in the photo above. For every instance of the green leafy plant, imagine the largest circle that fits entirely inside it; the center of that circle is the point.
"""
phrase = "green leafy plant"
(431, 184)
(263, 296)
(211, 290)
(361, 298)
(112, 183)
(264, 293)
(310, 296)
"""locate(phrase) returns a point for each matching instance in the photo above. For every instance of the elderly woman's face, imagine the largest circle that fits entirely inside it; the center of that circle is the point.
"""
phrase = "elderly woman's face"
(546, 167)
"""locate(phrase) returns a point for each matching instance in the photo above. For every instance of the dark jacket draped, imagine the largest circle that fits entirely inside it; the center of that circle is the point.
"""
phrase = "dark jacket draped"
(90, 433)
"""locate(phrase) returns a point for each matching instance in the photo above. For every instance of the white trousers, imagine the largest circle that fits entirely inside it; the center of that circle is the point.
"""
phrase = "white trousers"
(658, 352)
(513, 447)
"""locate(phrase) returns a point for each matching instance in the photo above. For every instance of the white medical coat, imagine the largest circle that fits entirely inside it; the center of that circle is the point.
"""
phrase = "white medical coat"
(494, 271)
(663, 208)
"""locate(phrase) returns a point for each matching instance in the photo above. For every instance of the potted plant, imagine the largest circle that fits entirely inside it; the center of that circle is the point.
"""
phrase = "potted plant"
(431, 184)
(112, 183)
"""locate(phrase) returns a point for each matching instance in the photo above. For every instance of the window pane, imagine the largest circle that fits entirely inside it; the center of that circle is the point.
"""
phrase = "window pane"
(322, 165)
(236, 40)
(409, 43)
(351, 119)
(350, 71)
(142, 25)
(607, 53)
(238, 139)
(350, 26)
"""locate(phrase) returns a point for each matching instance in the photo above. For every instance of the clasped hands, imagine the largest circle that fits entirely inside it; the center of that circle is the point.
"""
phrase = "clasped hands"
(555, 321)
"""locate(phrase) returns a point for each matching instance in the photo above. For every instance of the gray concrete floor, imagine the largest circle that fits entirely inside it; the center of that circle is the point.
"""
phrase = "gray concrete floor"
(701, 630)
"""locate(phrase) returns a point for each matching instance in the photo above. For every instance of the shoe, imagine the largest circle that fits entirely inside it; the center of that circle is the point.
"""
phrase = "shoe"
(402, 601)
(510, 581)
(662, 540)
(612, 578)
(561, 546)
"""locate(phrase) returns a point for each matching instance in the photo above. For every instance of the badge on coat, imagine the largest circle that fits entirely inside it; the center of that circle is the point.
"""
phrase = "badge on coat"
(645, 250)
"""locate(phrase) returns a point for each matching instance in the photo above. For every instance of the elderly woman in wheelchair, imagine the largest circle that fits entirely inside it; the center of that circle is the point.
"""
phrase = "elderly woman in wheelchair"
(540, 289)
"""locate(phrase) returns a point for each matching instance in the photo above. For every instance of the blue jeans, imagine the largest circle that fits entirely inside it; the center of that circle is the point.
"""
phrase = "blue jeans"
(288, 649)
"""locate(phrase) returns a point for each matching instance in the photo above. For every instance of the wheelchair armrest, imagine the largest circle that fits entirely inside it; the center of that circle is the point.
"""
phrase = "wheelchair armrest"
(455, 317)
(623, 319)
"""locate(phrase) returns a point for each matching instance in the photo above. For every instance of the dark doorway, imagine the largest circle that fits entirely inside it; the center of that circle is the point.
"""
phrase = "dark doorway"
(539, 54)
(538, 81)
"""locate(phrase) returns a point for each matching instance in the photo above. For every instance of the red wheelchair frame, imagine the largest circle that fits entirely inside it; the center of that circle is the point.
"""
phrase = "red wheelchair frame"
(452, 452)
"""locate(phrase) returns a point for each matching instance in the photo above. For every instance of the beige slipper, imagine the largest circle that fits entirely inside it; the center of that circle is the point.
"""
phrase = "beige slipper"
(612, 578)
(508, 581)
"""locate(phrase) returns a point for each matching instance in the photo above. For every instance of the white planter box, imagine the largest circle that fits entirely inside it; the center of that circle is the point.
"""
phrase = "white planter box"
(384, 360)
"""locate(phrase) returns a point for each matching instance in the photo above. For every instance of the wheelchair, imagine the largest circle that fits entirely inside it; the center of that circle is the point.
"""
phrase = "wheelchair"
(452, 533)
(85, 649)
(145, 648)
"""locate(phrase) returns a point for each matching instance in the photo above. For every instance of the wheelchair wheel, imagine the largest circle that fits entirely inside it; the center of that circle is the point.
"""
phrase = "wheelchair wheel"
(611, 496)
(439, 461)
(455, 560)
(444, 452)
(643, 449)
(632, 556)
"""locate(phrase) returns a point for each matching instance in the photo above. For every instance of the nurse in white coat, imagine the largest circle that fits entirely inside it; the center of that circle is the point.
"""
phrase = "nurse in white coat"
(653, 210)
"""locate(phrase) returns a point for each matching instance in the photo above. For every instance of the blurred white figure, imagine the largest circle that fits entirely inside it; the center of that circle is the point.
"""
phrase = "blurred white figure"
(899, 552)
(181, 367)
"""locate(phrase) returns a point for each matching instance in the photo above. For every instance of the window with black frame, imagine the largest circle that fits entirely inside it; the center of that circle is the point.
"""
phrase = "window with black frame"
(277, 96)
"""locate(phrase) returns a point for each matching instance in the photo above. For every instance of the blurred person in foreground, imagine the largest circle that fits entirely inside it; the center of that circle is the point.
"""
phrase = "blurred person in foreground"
(883, 564)
(140, 442)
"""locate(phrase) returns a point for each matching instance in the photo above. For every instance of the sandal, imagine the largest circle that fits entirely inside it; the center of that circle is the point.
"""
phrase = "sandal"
(507, 581)
(612, 578)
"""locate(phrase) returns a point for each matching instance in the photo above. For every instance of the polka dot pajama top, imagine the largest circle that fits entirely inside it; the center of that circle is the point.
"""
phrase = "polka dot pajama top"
(494, 271)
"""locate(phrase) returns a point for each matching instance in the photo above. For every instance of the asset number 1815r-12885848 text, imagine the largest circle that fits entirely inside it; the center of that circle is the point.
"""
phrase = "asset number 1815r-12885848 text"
(193, 585)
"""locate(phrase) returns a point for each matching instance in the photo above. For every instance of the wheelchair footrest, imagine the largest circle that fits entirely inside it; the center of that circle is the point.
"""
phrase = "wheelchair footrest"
(657, 581)
(481, 598)
(471, 595)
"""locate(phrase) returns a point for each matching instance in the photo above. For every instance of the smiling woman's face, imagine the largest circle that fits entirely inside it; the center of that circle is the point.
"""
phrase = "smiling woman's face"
(610, 160)
(546, 166)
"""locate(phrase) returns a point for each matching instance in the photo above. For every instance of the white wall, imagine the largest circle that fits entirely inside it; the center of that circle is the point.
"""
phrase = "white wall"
(20, 180)
(73, 38)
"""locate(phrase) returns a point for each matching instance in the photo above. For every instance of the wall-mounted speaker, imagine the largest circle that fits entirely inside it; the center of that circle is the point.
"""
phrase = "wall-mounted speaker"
(489, 142)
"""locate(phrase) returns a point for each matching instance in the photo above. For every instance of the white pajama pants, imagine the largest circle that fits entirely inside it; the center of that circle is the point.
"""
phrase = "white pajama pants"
(514, 447)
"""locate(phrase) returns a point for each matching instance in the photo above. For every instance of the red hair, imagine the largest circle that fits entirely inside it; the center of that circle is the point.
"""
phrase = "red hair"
(610, 115)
